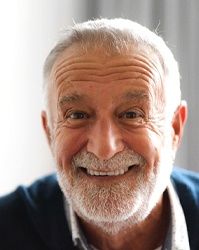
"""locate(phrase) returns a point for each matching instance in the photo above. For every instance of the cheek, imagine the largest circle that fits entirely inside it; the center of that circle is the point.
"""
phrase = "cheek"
(67, 142)
(146, 143)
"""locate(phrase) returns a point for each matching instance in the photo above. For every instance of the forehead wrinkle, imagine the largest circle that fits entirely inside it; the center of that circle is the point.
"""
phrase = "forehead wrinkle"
(73, 62)
(90, 63)
(83, 66)
(123, 73)
(86, 69)
(67, 73)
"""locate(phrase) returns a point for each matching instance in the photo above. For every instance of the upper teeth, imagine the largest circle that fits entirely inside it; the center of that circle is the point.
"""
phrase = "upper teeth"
(111, 173)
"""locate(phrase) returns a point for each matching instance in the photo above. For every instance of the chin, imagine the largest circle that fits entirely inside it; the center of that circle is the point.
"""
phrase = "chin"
(114, 206)
(110, 208)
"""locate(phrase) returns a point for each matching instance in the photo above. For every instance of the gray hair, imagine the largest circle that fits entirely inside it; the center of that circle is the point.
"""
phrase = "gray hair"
(115, 36)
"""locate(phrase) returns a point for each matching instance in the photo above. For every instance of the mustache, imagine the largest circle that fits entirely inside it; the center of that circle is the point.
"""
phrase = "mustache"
(120, 160)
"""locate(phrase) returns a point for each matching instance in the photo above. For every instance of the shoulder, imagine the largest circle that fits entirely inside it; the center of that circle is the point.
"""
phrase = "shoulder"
(34, 216)
(186, 181)
(36, 194)
(186, 184)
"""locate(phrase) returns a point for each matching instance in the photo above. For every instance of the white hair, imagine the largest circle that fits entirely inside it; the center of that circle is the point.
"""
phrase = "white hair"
(115, 36)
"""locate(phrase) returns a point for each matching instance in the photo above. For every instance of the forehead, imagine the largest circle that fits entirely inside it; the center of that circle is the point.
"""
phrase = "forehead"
(78, 70)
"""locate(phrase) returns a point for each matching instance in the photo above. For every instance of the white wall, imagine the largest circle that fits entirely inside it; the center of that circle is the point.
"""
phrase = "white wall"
(29, 29)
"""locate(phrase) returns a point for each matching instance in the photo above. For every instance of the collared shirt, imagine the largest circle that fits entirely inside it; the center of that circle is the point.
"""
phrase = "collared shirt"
(176, 237)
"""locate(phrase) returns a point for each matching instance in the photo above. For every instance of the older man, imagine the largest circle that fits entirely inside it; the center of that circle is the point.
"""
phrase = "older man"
(114, 119)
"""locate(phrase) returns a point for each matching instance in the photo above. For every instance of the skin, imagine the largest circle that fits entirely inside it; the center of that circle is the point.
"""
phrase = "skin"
(105, 105)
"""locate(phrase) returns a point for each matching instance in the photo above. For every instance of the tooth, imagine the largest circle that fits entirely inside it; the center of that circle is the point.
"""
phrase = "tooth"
(125, 170)
(96, 173)
(110, 173)
(102, 173)
(121, 171)
(92, 172)
(117, 172)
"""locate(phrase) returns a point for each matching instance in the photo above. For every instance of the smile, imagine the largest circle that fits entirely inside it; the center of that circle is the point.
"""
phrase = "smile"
(104, 173)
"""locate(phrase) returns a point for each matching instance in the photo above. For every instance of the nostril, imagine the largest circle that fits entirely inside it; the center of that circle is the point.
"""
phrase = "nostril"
(104, 138)
(104, 149)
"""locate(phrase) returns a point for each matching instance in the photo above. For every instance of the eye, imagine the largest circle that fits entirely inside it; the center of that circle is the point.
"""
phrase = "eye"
(133, 118)
(130, 115)
(76, 119)
(77, 115)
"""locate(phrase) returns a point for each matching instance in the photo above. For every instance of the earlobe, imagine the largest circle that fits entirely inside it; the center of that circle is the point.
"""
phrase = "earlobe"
(178, 123)
(46, 127)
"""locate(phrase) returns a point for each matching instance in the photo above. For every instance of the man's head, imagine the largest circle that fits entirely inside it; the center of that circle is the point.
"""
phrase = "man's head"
(114, 119)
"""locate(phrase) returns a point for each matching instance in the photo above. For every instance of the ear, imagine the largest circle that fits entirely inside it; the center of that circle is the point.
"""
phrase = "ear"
(46, 127)
(178, 123)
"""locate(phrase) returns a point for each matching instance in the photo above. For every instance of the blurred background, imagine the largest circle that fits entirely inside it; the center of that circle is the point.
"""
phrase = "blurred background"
(29, 29)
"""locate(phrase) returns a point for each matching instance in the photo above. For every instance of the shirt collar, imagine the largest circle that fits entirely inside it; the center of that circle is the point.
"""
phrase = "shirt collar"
(176, 238)
(177, 234)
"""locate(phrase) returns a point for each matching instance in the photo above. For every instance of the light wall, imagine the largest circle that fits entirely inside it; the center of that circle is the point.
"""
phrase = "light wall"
(28, 29)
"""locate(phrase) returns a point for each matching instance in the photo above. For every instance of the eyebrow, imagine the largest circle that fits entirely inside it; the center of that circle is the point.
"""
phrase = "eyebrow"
(71, 98)
(79, 98)
(136, 95)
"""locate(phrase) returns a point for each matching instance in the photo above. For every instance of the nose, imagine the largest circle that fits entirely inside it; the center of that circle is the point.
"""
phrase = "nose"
(104, 139)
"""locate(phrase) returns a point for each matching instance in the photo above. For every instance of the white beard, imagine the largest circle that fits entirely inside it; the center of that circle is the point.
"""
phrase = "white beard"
(112, 207)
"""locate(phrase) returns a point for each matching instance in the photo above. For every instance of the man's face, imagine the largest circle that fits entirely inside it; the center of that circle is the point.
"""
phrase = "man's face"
(111, 139)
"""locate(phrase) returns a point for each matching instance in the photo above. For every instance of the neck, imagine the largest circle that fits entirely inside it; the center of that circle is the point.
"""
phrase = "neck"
(148, 234)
